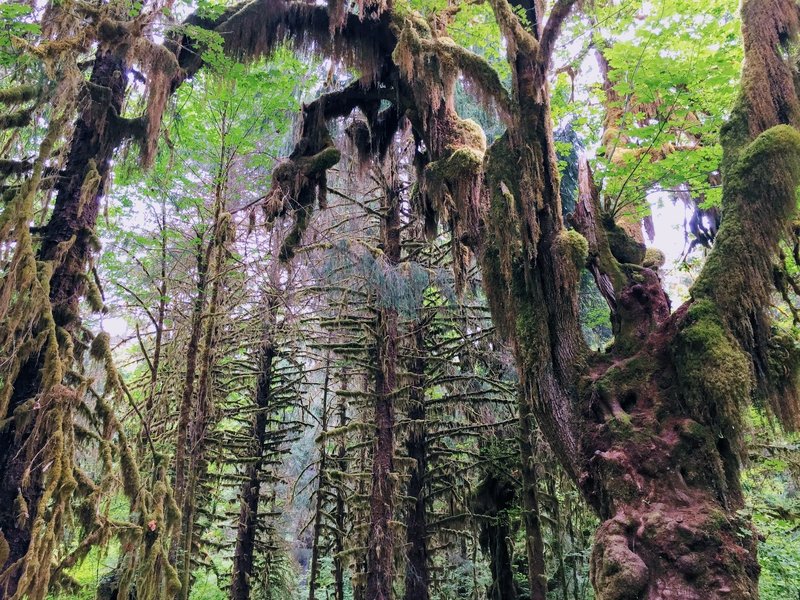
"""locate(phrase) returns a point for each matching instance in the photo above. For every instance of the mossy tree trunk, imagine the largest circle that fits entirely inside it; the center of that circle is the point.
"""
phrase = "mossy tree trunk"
(494, 499)
(201, 408)
(340, 503)
(250, 494)
(534, 538)
(313, 571)
(417, 578)
(67, 242)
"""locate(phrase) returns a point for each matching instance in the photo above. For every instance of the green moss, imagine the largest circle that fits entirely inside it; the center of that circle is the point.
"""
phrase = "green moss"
(654, 259)
(629, 374)
(758, 201)
(530, 318)
(781, 141)
(93, 295)
(471, 134)
(17, 95)
(714, 373)
(4, 549)
(20, 118)
(462, 162)
(572, 245)
(322, 160)
(101, 346)
(624, 248)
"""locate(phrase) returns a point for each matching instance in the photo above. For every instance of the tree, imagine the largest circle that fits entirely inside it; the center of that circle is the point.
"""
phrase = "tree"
(601, 414)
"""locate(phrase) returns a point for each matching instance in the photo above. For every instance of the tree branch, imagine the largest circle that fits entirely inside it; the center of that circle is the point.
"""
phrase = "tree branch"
(552, 29)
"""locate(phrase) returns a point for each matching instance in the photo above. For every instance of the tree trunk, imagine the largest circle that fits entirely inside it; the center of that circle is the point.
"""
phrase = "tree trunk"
(74, 216)
(186, 409)
(187, 392)
(417, 575)
(321, 476)
(652, 430)
(251, 488)
(203, 408)
(339, 515)
(531, 517)
(494, 498)
(380, 553)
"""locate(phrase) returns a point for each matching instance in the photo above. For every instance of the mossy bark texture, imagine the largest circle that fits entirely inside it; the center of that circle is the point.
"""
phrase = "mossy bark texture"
(67, 244)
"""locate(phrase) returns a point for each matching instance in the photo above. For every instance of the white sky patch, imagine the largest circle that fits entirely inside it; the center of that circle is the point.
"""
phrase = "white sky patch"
(669, 224)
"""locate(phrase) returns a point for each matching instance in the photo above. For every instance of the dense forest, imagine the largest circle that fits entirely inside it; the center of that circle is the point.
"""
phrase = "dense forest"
(399, 299)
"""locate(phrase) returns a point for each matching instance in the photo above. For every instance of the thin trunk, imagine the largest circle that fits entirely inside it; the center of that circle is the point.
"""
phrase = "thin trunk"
(494, 498)
(417, 575)
(161, 314)
(250, 494)
(339, 515)
(556, 531)
(534, 540)
(321, 482)
(187, 409)
(380, 554)
(203, 409)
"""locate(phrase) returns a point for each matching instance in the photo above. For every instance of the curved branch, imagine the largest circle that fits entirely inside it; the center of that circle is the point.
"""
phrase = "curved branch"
(552, 29)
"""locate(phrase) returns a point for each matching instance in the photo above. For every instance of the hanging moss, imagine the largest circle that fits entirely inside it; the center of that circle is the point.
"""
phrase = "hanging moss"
(90, 185)
(4, 549)
(94, 297)
(780, 394)
(759, 199)
(20, 118)
(18, 95)
(100, 347)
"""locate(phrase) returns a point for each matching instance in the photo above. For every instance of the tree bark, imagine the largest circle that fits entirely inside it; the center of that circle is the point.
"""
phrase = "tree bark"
(203, 408)
(380, 553)
(339, 515)
(417, 574)
(494, 498)
(94, 140)
(321, 476)
(531, 516)
(251, 488)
